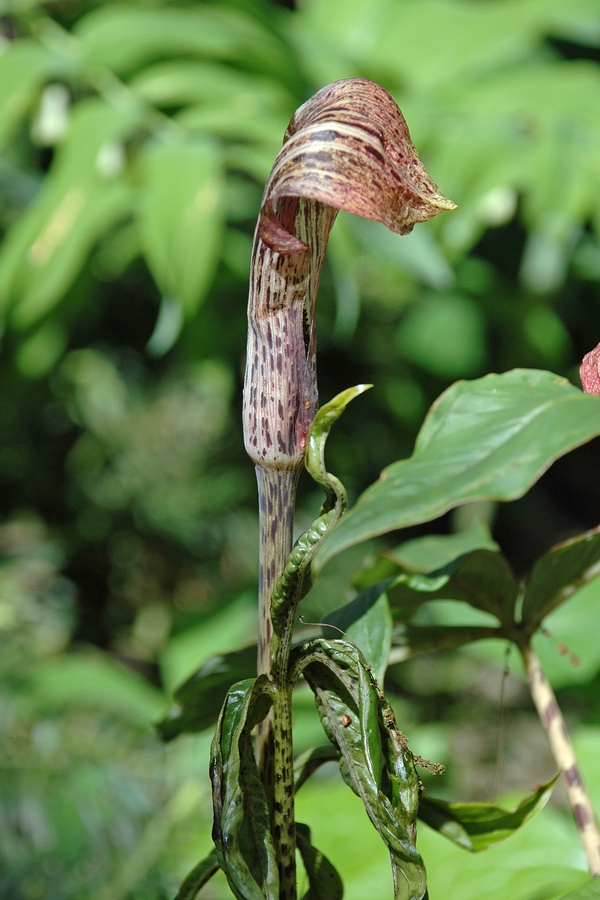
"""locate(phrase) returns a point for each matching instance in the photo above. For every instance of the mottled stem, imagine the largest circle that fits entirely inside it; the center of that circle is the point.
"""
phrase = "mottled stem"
(562, 749)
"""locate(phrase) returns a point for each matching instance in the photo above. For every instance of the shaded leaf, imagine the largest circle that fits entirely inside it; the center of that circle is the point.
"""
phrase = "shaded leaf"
(486, 439)
(482, 579)
(559, 574)
(589, 891)
(325, 883)
(412, 640)
(367, 621)
(374, 759)
(200, 698)
(180, 218)
(310, 761)
(477, 826)
(433, 552)
(241, 826)
(198, 877)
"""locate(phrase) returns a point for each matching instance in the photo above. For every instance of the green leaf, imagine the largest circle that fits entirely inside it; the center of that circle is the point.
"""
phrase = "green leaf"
(325, 883)
(82, 197)
(374, 760)
(590, 891)
(200, 698)
(24, 67)
(310, 761)
(367, 621)
(559, 574)
(486, 439)
(241, 832)
(482, 579)
(198, 877)
(477, 826)
(412, 640)
(180, 218)
(433, 552)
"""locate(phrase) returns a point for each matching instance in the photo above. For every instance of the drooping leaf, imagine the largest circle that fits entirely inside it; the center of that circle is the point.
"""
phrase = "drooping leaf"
(198, 877)
(200, 698)
(374, 759)
(367, 621)
(243, 841)
(180, 218)
(486, 439)
(433, 552)
(482, 579)
(325, 883)
(559, 574)
(83, 195)
(477, 826)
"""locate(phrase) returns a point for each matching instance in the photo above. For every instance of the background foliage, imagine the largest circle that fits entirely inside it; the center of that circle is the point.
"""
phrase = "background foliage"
(135, 140)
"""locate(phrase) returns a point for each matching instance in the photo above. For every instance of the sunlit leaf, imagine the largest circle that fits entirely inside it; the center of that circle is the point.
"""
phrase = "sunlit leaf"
(325, 883)
(198, 877)
(477, 826)
(374, 760)
(433, 552)
(241, 832)
(367, 622)
(486, 439)
(559, 574)
(180, 217)
(200, 698)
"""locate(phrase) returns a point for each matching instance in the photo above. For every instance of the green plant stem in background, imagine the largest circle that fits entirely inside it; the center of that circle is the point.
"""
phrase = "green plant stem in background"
(552, 719)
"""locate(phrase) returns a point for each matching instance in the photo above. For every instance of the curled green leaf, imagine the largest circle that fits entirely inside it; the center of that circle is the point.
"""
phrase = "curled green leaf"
(198, 877)
(325, 883)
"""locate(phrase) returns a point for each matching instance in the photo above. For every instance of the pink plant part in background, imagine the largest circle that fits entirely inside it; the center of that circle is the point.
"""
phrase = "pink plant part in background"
(589, 371)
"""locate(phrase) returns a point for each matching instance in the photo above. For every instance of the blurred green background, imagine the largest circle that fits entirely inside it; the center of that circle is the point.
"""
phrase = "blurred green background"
(135, 139)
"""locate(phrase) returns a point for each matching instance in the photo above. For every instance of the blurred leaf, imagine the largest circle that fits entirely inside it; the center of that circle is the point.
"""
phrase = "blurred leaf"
(482, 579)
(93, 680)
(433, 552)
(180, 218)
(325, 883)
(412, 640)
(486, 439)
(83, 195)
(123, 37)
(477, 826)
(374, 760)
(558, 575)
(367, 622)
(198, 877)
(310, 761)
(590, 891)
(24, 67)
(200, 698)
(241, 817)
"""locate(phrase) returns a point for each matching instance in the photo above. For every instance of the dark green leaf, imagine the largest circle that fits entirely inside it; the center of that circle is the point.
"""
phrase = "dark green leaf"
(241, 832)
(559, 574)
(589, 891)
(477, 826)
(325, 883)
(482, 579)
(486, 439)
(198, 877)
(200, 698)
(412, 640)
(310, 761)
(374, 760)
(433, 552)
(367, 621)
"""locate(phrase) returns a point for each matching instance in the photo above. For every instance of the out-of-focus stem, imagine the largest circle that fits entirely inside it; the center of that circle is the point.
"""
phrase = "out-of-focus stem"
(562, 749)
